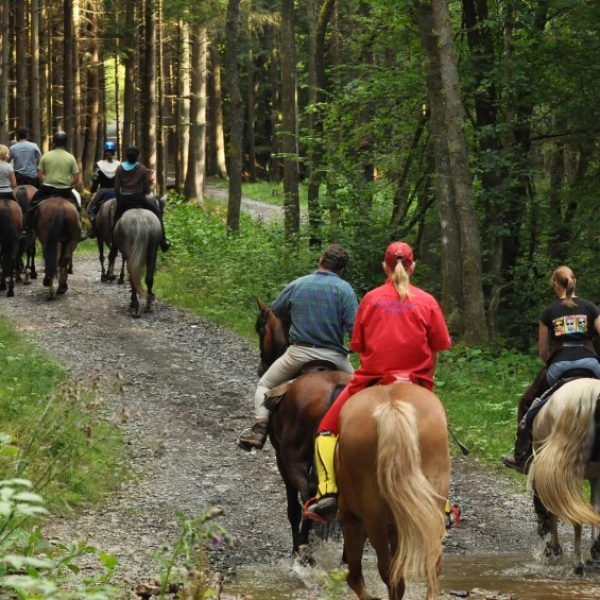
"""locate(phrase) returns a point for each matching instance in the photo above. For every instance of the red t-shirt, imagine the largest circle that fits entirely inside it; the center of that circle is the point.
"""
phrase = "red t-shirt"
(398, 335)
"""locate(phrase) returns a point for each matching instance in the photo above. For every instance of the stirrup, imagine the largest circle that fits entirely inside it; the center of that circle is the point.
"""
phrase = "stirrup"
(311, 516)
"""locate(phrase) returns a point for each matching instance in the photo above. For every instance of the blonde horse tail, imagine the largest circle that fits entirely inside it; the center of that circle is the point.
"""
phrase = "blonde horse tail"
(559, 464)
(415, 505)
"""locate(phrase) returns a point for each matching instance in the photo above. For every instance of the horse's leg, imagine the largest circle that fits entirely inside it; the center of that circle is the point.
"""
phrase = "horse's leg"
(121, 280)
(100, 243)
(354, 543)
(553, 547)
(32, 271)
(150, 268)
(134, 306)
(577, 554)
(112, 257)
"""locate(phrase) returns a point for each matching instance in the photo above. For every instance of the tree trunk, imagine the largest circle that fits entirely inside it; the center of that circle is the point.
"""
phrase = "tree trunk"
(21, 45)
(216, 142)
(235, 116)
(92, 103)
(77, 83)
(194, 181)
(44, 66)
(161, 146)
(4, 70)
(274, 100)
(289, 121)
(250, 111)
(35, 125)
(129, 63)
(68, 108)
(182, 127)
(148, 91)
(475, 322)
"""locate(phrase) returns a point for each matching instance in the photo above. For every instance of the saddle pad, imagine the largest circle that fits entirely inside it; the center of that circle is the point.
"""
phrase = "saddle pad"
(539, 403)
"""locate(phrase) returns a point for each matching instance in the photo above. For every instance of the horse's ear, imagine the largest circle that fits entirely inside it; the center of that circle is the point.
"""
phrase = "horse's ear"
(261, 306)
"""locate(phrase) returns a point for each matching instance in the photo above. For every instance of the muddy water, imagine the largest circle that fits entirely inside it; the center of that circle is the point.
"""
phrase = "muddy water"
(517, 576)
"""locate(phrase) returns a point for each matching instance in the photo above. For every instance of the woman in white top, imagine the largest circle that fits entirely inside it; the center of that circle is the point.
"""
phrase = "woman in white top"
(7, 175)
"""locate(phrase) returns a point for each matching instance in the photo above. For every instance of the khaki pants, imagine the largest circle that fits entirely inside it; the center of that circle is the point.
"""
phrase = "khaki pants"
(288, 365)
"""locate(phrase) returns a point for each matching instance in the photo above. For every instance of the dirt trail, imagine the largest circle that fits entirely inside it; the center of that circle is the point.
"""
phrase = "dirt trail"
(188, 388)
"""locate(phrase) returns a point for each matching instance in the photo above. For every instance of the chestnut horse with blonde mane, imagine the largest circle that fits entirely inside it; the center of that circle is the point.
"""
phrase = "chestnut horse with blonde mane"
(393, 470)
(567, 451)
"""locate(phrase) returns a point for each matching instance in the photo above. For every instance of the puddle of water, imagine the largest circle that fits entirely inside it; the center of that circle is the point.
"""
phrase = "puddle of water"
(521, 575)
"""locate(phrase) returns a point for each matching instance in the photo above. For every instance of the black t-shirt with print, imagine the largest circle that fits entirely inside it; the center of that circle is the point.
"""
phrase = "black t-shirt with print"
(570, 326)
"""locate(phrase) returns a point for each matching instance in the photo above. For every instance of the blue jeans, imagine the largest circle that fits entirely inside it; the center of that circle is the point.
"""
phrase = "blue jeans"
(555, 370)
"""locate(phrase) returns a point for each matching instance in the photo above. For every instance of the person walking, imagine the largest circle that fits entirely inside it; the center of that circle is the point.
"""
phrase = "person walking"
(322, 308)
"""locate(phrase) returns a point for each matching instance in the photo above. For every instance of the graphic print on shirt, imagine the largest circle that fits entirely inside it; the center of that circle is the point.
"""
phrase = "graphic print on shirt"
(570, 324)
(395, 306)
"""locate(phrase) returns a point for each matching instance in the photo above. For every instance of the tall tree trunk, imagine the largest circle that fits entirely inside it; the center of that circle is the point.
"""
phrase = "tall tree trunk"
(148, 92)
(289, 121)
(129, 60)
(161, 146)
(235, 116)
(216, 141)
(92, 102)
(68, 83)
(45, 79)
(77, 83)
(21, 45)
(4, 70)
(274, 101)
(182, 127)
(194, 181)
(34, 78)
(476, 331)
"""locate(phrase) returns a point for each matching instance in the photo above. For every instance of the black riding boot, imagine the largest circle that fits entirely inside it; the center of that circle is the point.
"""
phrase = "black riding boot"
(165, 245)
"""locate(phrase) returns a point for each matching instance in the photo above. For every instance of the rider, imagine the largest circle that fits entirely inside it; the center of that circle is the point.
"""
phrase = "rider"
(399, 329)
(104, 182)
(132, 185)
(59, 173)
(7, 176)
(24, 156)
(565, 342)
(321, 307)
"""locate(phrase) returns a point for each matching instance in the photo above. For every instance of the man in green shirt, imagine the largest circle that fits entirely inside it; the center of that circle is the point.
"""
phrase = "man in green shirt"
(58, 172)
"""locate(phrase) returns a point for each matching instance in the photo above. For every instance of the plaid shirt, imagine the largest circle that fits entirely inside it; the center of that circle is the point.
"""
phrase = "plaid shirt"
(321, 307)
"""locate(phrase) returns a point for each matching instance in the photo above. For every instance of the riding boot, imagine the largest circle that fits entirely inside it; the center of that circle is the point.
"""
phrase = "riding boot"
(522, 453)
(92, 231)
(326, 504)
(165, 245)
(254, 437)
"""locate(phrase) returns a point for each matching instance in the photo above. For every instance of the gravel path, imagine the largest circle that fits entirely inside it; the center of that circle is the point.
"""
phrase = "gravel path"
(188, 385)
(259, 210)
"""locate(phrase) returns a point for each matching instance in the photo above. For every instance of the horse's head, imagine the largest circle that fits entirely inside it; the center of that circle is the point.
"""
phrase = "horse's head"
(273, 336)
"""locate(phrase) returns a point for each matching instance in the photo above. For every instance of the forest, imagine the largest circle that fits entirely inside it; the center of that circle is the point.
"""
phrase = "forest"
(467, 127)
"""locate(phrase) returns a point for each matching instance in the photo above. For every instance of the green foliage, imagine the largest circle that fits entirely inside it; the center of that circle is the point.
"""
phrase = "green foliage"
(32, 568)
(481, 392)
(184, 565)
(53, 435)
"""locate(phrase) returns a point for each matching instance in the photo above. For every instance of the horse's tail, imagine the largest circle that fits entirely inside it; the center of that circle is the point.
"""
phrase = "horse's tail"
(415, 505)
(136, 258)
(53, 236)
(22, 198)
(559, 465)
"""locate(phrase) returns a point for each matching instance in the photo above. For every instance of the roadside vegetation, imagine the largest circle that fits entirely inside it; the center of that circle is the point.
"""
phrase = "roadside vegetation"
(220, 275)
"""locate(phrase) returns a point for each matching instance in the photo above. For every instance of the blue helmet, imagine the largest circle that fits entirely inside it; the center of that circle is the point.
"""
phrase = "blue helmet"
(110, 147)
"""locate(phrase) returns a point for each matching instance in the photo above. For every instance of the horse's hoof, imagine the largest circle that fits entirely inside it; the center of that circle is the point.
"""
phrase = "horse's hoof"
(47, 282)
(121, 281)
(70, 270)
(33, 275)
(103, 278)
(304, 556)
(134, 312)
(550, 552)
(578, 569)
(62, 288)
(111, 277)
(10, 294)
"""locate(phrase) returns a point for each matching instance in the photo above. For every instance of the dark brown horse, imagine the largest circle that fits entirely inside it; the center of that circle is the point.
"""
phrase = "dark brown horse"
(11, 223)
(297, 408)
(56, 224)
(23, 195)
(393, 470)
(104, 227)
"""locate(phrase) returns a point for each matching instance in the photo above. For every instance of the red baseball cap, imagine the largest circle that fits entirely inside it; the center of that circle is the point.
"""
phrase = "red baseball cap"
(398, 251)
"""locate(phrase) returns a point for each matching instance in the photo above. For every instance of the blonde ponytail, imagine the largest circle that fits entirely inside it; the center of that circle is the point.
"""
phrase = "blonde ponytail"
(401, 280)
(563, 278)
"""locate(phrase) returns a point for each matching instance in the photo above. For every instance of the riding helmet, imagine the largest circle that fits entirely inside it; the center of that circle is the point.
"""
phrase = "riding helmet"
(110, 147)
(59, 138)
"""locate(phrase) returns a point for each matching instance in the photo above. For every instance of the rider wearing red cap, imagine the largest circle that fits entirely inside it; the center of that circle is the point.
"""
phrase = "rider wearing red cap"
(398, 328)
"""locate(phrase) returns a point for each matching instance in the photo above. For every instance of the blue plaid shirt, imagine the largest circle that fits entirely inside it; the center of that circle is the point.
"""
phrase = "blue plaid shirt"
(321, 306)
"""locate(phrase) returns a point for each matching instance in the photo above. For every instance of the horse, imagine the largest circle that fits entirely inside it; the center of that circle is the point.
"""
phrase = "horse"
(56, 224)
(23, 195)
(393, 471)
(137, 235)
(104, 227)
(297, 408)
(11, 223)
(566, 442)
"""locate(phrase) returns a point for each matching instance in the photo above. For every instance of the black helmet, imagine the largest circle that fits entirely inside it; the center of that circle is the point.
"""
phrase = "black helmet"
(59, 138)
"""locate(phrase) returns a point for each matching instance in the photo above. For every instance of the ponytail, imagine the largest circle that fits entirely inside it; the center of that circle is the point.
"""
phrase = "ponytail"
(564, 278)
(401, 280)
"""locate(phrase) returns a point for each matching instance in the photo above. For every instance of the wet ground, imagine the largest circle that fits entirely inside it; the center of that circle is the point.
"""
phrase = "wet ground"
(188, 388)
